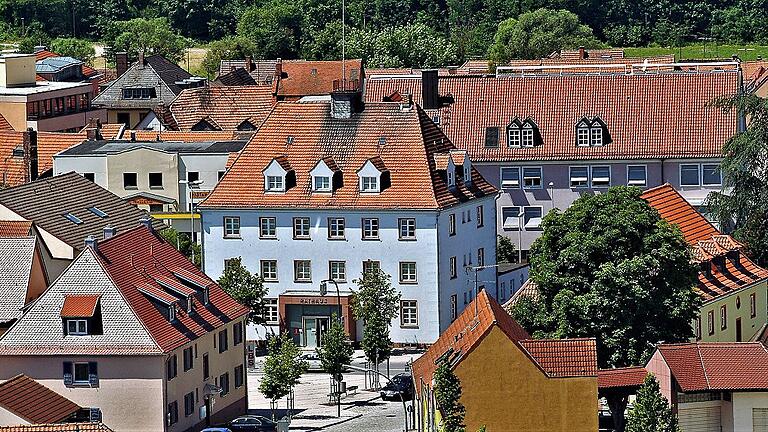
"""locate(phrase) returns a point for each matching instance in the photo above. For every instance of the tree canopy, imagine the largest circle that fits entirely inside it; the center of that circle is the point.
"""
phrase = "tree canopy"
(282, 368)
(229, 48)
(447, 395)
(71, 47)
(274, 27)
(246, 288)
(651, 411)
(180, 241)
(376, 303)
(151, 36)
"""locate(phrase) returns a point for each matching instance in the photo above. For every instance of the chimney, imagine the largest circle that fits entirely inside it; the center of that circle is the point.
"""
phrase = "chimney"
(430, 97)
(121, 62)
(582, 52)
(109, 232)
(278, 69)
(142, 63)
(90, 242)
(147, 222)
(346, 103)
(30, 153)
(93, 129)
(248, 63)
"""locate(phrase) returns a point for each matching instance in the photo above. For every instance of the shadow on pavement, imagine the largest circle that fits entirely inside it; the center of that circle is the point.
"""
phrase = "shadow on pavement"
(279, 413)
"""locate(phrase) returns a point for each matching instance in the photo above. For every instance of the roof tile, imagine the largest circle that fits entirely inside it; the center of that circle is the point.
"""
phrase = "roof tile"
(35, 402)
(717, 366)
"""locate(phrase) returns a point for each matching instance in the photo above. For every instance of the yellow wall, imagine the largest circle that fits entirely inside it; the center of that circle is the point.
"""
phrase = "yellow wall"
(17, 70)
(749, 325)
(503, 390)
(136, 115)
(15, 113)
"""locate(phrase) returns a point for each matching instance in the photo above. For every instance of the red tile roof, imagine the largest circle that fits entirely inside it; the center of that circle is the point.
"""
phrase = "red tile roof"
(14, 170)
(129, 255)
(80, 305)
(190, 136)
(673, 208)
(59, 427)
(410, 141)
(754, 70)
(226, 107)
(717, 366)
(564, 357)
(315, 78)
(34, 402)
(648, 115)
(621, 377)
(50, 143)
(15, 228)
(4, 125)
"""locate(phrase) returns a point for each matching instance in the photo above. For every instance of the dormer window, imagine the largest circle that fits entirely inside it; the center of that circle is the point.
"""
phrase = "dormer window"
(275, 184)
(514, 137)
(373, 177)
(369, 184)
(596, 136)
(527, 136)
(77, 327)
(278, 175)
(591, 132)
(582, 135)
(326, 176)
(322, 184)
(451, 178)
(522, 133)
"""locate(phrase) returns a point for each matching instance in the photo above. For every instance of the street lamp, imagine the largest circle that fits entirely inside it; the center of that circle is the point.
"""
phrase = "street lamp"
(191, 184)
(520, 237)
(324, 291)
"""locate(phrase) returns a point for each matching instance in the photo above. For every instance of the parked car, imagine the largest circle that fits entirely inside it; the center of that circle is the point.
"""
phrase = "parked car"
(399, 388)
(252, 423)
(216, 429)
(313, 360)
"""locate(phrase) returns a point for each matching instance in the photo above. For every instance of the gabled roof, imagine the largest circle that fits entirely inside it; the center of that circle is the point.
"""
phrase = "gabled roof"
(227, 107)
(411, 140)
(79, 305)
(16, 258)
(15, 228)
(34, 402)
(649, 115)
(237, 77)
(564, 357)
(46, 201)
(4, 125)
(528, 290)
(168, 71)
(151, 74)
(621, 378)
(717, 365)
(316, 78)
(673, 208)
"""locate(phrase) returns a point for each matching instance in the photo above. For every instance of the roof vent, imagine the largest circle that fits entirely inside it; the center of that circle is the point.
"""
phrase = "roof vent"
(109, 232)
(289, 139)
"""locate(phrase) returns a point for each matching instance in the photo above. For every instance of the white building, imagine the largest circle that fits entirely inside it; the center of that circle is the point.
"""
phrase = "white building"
(325, 189)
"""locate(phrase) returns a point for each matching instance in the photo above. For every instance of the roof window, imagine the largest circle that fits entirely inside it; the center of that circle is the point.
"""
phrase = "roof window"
(491, 137)
(591, 132)
(18, 152)
(95, 210)
(523, 133)
(382, 140)
(289, 139)
(74, 219)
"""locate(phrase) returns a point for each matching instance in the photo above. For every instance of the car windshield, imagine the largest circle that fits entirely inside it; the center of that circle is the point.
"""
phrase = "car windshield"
(246, 421)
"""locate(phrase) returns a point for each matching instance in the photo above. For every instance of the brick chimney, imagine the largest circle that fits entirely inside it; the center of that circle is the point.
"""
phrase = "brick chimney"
(30, 154)
(248, 63)
(142, 63)
(582, 52)
(109, 232)
(93, 129)
(429, 92)
(121, 63)
(278, 69)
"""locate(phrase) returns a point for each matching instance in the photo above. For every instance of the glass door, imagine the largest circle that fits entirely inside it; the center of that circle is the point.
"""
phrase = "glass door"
(310, 332)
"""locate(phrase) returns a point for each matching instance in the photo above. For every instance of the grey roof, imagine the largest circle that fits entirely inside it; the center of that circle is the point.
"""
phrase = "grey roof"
(16, 257)
(103, 147)
(39, 331)
(55, 64)
(157, 72)
(508, 267)
(238, 77)
(46, 202)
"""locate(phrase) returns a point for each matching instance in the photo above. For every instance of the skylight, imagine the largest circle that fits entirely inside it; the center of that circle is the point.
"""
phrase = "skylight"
(95, 210)
(74, 219)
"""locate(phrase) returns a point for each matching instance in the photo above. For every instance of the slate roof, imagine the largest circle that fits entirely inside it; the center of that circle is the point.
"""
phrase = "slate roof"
(648, 115)
(45, 201)
(717, 366)
(34, 402)
(16, 258)
(148, 75)
(45, 54)
(228, 107)
(619, 378)
(410, 141)
(237, 77)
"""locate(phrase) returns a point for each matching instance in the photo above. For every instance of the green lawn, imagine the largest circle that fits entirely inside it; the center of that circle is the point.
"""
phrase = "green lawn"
(702, 51)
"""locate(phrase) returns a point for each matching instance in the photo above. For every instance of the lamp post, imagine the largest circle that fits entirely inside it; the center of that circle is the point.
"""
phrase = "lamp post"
(552, 194)
(193, 184)
(520, 237)
(324, 290)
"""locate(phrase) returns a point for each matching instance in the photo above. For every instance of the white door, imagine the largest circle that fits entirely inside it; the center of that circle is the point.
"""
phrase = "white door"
(760, 419)
(699, 419)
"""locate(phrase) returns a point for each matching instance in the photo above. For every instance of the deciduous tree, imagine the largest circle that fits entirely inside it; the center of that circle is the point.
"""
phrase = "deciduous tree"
(506, 252)
(229, 48)
(80, 49)
(376, 304)
(335, 354)
(183, 244)
(151, 36)
(651, 411)
(246, 288)
(274, 27)
(282, 369)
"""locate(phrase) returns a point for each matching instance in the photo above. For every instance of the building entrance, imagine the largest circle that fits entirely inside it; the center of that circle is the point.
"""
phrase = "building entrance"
(314, 330)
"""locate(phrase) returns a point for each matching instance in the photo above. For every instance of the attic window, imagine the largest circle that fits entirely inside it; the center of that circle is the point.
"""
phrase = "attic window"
(322, 184)
(74, 219)
(275, 184)
(95, 210)
(522, 133)
(246, 125)
(369, 184)
(18, 152)
(591, 132)
(491, 137)
(526, 139)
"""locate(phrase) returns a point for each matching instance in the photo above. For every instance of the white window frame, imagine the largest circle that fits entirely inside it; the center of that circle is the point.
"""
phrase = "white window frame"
(582, 136)
(408, 273)
(510, 184)
(698, 174)
(337, 270)
(336, 228)
(370, 229)
(269, 275)
(271, 313)
(275, 183)
(454, 307)
(596, 136)
(602, 184)
(324, 187)
(267, 224)
(510, 223)
(302, 270)
(371, 264)
(532, 223)
(406, 228)
(514, 137)
(369, 184)
(81, 327)
(526, 136)
(452, 265)
(525, 177)
(409, 313)
(231, 229)
(481, 256)
(578, 182)
(637, 182)
(452, 224)
(480, 216)
(720, 174)
(298, 222)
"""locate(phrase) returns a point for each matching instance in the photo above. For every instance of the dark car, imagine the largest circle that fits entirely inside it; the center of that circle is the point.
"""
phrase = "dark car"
(399, 388)
(252, 423)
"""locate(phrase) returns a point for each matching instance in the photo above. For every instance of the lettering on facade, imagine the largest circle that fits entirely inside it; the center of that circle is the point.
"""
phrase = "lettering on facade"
(312, 300)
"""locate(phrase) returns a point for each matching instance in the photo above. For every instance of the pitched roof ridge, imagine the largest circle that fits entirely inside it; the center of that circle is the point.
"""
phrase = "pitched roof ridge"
(703, 368)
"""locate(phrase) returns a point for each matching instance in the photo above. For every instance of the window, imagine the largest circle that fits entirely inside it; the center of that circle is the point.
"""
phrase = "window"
(269, 270)
(481, 256)
(89, 176)
(406, 228)
(689, 175)
(224, 383)
(267, 227)
(371, 265)
(155, 180)
(527, 137)
(239, 376)
(193, 176)
(582, 136)
(452, 265)
(452, 224)
(270, 311)
(237, 334)
(130, 181)
(596, 136)
(77, 327)
(301, 227)
(601, 176)
(752, 305)
(369, 184)
(711, 322)
(637, 175)
(532, 177)
(322, 184)
(336, 228)
(173, 413)
(409, 313)
(454, 307)
(480, 217)
(710, 175)
(337, 270)
(510, 217)
(206, 367)
(407, 272)
(723, 317)
(579, 176)
(139, 93)
(189, 404)
(532, 217)
(513, 136)
(510, 177)
(188, 359)
(274, 183)
(171, 367)
(451, 180)
(98, 212)
(231, 226)
(223, 341)
(697, 328)
(370, 228)
(302, 271)
(156, 208)
(81, 373)
(491, 137)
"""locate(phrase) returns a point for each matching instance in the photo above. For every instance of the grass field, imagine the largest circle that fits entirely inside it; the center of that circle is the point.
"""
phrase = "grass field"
(702, 51)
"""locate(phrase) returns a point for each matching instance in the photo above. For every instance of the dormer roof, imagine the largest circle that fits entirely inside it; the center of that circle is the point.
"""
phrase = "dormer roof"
(327, 162)
(79, 305)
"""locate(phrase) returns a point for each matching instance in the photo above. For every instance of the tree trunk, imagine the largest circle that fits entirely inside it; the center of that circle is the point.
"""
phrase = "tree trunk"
(617, 403)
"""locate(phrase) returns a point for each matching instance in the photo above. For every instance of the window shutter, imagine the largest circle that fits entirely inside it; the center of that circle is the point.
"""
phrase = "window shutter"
(93, 374)
(94, 415)
(68, 374)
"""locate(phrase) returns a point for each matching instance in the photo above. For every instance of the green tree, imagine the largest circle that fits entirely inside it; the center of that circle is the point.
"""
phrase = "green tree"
(376, 303)
(506, 252)
(229, 48)
(151, 36)
(183, 244)
(246, 288)
(745, 177)
(414, 45)
(274, 27)
(335, 354)
(282, 369)
(609, 267)
(447, 395)
(651, 412)
(539, 33)
(80, 49)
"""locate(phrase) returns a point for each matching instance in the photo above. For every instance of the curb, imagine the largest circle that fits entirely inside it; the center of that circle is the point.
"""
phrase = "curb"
(319, 428)
(355, 404)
